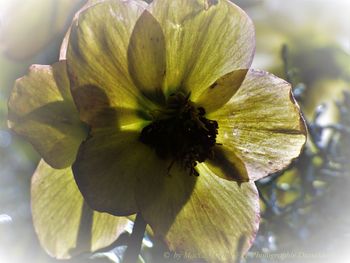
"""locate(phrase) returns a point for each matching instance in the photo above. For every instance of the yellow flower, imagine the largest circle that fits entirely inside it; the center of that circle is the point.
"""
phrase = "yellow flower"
(166, 94)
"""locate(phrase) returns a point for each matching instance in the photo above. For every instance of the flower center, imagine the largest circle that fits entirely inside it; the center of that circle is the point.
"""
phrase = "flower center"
(181, 132)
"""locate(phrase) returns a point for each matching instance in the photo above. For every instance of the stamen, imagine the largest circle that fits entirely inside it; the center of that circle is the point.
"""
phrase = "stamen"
(182, 133)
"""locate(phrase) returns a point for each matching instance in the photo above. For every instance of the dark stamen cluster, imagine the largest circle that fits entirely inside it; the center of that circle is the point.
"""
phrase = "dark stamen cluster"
(181, 133)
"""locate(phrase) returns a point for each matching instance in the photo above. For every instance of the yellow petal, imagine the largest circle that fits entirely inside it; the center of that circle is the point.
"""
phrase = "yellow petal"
(64, 44)
(65, 226)
(205, 40)
(106, 170)
(162, 191)
(217, 223)
(221, 91)
(262, 124)
(42, 110)
(226, 164)
(146, 57)
(97, 59)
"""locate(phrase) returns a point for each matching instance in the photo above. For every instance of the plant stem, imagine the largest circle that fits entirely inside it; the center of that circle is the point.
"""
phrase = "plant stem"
(134, 246)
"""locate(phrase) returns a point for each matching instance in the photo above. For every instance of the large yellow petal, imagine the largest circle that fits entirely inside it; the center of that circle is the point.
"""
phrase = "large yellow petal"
(146, 57)
(227, 164)
(262, 124)
(217, 223)
(107, 167)
(162, 191)
(42, 110)
(97, 59)
(64, 224)
(205, 40)
(64, 44)
(221, 91)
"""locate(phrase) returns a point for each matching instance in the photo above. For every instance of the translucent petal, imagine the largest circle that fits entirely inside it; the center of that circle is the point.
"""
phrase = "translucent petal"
(64, 224)
(42, 110)
(217, 223)
(226, 164)
(262, 124)
(107, 169)
(146, 57)
(98, 63)
(205, 40)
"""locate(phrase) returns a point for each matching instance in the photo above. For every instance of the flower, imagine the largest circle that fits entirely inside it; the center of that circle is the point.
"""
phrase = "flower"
(41, 109)
(176, 126)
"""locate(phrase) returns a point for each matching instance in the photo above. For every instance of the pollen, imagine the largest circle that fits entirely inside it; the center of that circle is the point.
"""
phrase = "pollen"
(181, 133)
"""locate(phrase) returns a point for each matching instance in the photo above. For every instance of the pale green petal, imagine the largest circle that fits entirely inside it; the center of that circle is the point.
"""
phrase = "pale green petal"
(221, 91)
(64, 44)
(59, 214)
(146, 57)
(205, 40)
(162, 191)
(262, 124)
(97, 60)
(42, 110)
(107, 167)
(217, 223)
(226, 164)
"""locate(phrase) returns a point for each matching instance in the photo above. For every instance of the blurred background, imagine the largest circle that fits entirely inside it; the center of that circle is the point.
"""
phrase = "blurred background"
(305, 209)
